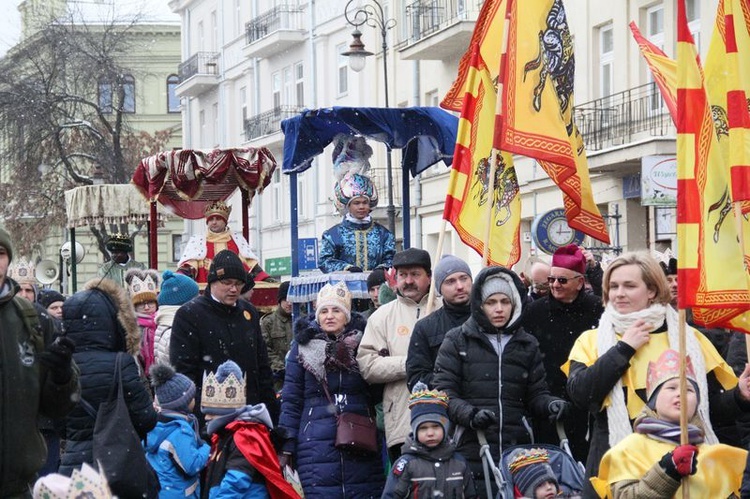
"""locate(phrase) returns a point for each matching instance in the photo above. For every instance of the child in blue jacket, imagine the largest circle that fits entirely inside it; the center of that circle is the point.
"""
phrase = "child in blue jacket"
(174, 448)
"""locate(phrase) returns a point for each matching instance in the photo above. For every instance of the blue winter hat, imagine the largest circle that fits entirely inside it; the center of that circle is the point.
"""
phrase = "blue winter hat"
(448, 265)
(173, 390)
(176, 289)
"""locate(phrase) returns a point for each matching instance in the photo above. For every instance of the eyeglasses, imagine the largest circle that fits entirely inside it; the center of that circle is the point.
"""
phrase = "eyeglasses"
(562, 280)
(231, 284)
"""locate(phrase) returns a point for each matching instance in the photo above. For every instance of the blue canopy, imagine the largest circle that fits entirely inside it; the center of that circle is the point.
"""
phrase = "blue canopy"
(426, 134)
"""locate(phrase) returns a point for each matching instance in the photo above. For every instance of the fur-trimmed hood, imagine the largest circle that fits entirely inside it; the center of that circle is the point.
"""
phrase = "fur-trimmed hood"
(517, 288)
(101, 317)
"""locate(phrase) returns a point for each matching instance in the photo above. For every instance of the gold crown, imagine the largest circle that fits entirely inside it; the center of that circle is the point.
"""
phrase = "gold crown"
(22, 271)
(218, 208)
(227, 394)
(86, 482)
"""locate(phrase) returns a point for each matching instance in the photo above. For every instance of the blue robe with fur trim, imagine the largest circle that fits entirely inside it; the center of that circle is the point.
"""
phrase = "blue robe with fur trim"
(367, 246)
(308, 422)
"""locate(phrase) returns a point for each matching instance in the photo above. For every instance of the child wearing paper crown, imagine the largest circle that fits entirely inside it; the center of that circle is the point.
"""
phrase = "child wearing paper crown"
(143, 287)
(532, 474)
(243, 462)
(174, 448)
(651, 462)
(429, 465)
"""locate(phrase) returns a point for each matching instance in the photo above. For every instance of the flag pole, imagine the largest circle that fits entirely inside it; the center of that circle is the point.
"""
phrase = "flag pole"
(683, 393)
(439, 253)
(496, 153)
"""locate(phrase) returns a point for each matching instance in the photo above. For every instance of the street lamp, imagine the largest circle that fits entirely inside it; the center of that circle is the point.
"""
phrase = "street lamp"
(372, 14)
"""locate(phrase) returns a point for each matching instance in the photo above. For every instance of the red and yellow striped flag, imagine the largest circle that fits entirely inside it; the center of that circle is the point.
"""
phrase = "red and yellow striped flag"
(710, 259)
(538, 107)
(475, 95)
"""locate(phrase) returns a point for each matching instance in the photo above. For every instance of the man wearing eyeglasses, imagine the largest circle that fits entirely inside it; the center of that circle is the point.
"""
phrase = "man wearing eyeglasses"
(217, 326)
(557, 320)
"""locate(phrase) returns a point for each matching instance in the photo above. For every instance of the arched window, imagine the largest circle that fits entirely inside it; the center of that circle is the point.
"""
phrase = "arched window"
(173, 102)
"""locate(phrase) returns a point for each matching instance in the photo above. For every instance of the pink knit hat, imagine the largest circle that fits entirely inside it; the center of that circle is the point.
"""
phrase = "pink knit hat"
(570, 257)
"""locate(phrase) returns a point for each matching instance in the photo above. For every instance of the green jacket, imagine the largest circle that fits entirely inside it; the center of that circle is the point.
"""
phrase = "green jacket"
(116, 272)
(277, 333)
(26, 391)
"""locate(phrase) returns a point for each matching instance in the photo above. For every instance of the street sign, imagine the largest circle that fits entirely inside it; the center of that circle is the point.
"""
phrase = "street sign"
(279, 266)
(307, 249)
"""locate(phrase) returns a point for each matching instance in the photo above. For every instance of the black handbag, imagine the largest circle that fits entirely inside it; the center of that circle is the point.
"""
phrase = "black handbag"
(117, 449)
(354, 432)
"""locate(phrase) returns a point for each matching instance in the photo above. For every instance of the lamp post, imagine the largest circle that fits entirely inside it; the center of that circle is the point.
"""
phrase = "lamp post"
(372, 14)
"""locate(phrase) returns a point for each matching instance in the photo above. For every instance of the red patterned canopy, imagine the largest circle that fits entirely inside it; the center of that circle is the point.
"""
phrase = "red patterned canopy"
(186, 180)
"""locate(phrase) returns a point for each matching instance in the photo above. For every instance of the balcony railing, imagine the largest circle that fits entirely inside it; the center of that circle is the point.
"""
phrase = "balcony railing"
(200, 63)
(425, 17)
(624, 117)
(281, 17)
(269, 122)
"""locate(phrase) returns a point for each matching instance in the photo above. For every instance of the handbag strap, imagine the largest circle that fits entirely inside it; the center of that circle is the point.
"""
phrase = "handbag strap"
(328, 394)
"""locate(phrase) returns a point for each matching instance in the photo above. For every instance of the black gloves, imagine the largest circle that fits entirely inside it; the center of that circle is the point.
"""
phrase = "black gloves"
(57, 359)
(558, 410)
(354, 269)
(681, 462)
(483, 419)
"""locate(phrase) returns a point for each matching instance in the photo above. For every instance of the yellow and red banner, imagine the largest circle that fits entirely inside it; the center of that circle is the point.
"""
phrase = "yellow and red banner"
(712, 277)
(469, 199)
(538, 100)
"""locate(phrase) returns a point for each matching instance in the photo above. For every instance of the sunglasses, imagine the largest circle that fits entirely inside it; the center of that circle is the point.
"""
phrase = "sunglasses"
(561, 280)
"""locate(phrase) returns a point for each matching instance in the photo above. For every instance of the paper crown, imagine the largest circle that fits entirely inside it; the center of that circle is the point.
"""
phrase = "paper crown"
(82, 483)
(218, 208)
(666, 367)
(226, 394)
(420, 395)
(119, 242)
(22, 271)
(143, 285)
(527, 458)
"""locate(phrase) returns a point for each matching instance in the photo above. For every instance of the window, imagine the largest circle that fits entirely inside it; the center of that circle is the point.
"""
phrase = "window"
(432, 98)
(277, 196)
(173, 102)
(202, 125)
(108, 94)
(201, 37)
(237, 17)
(301, 197)
(105, 95)
(693, 13)
(176, 247)
(655, 34)
(299, 73)
(606, 61)
(343, 70)
(214, 32)
(276, 89)
(287, 98)
(215, 116)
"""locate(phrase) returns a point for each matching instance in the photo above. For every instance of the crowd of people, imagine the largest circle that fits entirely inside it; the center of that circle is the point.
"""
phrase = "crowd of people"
(407, 398)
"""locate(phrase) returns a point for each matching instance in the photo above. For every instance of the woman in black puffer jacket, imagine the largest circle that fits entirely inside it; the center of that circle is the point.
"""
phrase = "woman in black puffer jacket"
(492, 371)
(101, 321)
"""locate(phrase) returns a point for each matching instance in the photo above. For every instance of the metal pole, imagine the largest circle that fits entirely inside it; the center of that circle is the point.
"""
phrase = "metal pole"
(391, 210)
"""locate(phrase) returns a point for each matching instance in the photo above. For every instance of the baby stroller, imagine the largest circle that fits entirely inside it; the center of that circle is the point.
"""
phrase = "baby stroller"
(569, 472)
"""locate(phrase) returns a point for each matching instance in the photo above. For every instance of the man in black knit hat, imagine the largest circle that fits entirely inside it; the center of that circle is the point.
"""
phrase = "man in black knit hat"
(217, 326)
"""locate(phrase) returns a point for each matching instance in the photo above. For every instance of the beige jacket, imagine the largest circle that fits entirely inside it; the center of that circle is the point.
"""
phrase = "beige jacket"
(382, 359)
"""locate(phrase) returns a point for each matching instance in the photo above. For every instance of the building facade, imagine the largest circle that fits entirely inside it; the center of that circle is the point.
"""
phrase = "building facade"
(248, 65)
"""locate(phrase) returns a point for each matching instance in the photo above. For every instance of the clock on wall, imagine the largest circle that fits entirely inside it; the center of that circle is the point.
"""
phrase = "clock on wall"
(551, 231)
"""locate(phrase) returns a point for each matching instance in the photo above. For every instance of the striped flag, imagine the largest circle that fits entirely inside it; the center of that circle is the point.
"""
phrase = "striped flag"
(663, 69)
(710, 259)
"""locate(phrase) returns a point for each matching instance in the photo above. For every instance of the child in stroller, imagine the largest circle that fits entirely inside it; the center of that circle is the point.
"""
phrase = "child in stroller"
(523, 469)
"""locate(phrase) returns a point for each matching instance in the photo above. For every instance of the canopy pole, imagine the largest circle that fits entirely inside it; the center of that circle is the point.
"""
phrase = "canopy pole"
(294, 222)
(405, 209)
(153, 249)
(73, 262)
(683, 394)
(245, 218)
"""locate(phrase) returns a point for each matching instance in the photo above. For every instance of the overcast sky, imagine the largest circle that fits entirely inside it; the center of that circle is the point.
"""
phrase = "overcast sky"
(10, 21)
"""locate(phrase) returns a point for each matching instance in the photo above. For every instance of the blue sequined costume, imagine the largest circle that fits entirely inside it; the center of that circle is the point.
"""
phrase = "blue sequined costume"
(365, 245)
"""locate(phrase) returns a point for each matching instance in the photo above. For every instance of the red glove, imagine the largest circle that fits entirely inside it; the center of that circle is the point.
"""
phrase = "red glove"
(682, 461)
